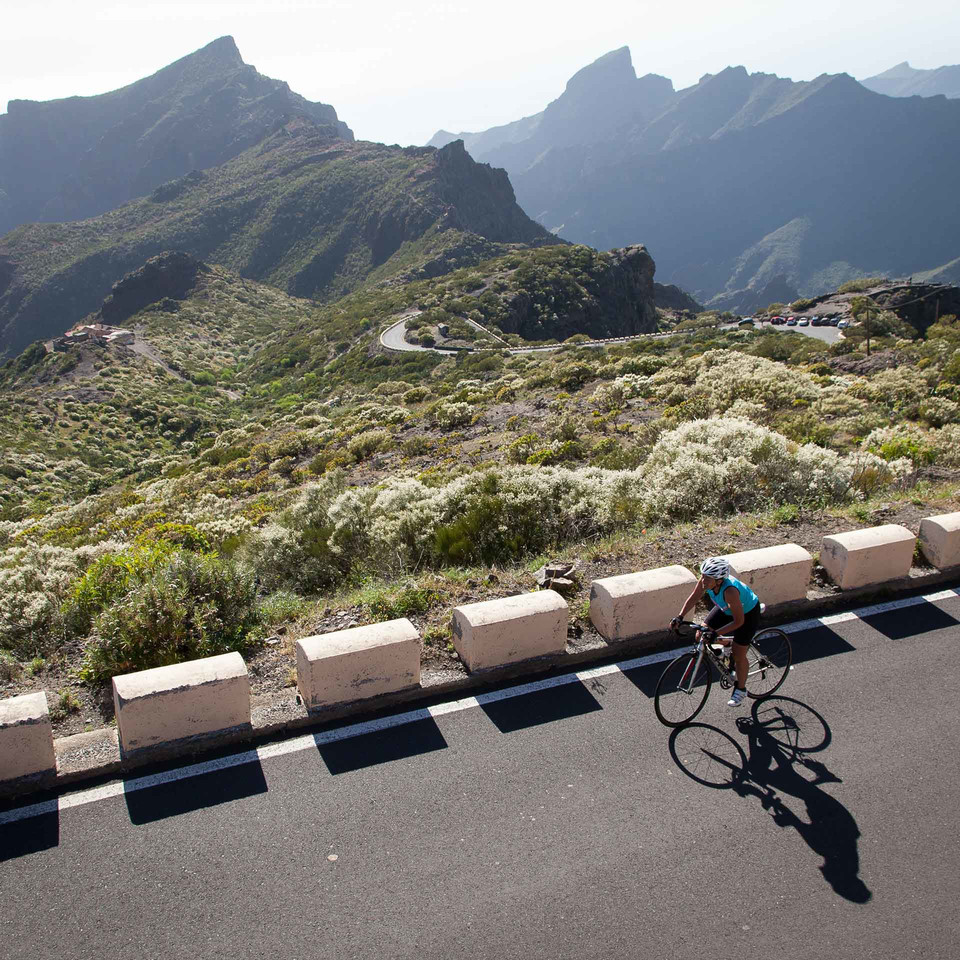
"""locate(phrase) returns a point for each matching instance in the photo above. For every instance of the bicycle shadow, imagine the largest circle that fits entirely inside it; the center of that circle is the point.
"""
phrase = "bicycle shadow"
(781, 733)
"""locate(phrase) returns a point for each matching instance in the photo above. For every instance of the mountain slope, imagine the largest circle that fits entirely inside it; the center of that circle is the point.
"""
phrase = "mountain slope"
(76, 158)
(904, 81)
(746, 179)
(305, 211)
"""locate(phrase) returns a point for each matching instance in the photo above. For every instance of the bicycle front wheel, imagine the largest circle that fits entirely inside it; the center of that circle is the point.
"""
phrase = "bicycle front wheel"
(768, 662)
(682, 690)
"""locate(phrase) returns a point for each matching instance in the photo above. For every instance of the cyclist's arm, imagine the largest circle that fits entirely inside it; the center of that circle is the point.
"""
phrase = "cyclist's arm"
(691, 602)
(732, 597)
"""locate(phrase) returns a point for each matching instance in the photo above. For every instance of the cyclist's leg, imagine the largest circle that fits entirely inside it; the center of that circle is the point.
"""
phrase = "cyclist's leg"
(716, 619)
(741, 643)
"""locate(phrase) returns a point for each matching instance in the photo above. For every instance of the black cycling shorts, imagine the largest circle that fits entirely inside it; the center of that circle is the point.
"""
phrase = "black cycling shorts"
(717, 620)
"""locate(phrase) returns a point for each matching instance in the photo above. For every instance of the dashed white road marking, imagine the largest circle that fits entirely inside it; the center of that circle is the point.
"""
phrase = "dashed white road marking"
(312, 741)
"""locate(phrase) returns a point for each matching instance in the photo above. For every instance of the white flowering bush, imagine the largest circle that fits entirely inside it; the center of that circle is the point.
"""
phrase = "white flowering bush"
(946, 444)
(725, 376)
(938, 411)
(898, 390)
(729, 464)
(449, 415)
(295, 550)
(34, 582)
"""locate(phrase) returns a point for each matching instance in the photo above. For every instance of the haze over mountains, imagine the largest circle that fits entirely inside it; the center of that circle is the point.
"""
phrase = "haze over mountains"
(747, 188)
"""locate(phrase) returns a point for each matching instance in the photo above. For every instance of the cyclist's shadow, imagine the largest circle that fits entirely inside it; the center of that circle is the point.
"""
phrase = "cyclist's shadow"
(781, 733)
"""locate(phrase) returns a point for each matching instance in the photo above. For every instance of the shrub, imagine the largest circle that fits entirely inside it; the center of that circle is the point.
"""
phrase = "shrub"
(803, 303)
(727, 465)
(415, 395)
(938, 411)
(10, 668)
(177, 534)
(190, 607)
(521, 449)
(946, 445)
(904, 440)
(110, 578)
(450, 415)
(366, 444)
(859, 285)
(34, 582)
(294, 552)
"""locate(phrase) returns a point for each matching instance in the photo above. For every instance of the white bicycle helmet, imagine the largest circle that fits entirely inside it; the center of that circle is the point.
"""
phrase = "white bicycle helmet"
(716, 567)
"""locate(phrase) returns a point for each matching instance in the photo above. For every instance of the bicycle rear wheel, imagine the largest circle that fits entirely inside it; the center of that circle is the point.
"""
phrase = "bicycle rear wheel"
(768, 662)
(681, 693)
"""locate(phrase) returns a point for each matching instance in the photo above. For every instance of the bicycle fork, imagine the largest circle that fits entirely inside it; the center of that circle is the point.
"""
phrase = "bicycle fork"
(686, 681)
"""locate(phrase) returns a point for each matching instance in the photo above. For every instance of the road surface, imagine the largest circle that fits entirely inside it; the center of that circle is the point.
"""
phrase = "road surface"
(556, 820)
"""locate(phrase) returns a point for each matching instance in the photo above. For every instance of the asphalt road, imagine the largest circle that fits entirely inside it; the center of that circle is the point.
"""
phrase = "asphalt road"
(562, 823)
(827, 334)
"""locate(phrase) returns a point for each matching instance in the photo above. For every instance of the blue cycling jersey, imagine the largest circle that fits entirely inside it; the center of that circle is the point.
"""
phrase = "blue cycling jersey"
(748, 599)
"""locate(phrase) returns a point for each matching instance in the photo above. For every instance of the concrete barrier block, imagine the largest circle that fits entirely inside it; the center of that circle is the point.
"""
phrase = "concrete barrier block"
(358, 663)
(26, 738)
(940, 540)
(636, 603)
(498, 632)
(777, 574)
(865, 557)
(183, 701)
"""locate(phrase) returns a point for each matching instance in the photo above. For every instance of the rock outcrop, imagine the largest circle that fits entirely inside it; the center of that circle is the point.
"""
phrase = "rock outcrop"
(169, 276)
(622, 303)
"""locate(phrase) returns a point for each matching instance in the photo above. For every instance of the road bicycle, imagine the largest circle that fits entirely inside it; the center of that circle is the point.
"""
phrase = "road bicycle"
(685, 684)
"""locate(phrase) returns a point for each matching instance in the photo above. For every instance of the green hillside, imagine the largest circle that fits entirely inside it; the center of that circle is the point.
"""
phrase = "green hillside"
(305, 211)
(263, 460)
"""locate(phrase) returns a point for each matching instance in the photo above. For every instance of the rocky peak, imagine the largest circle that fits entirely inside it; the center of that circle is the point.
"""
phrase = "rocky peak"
(607, 74)
(598, 99)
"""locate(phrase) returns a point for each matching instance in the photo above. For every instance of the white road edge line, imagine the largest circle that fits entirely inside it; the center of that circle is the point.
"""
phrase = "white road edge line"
(315, 740)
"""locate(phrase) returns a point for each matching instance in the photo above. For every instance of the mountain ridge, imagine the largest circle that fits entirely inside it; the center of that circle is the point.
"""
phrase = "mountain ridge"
(903, 80)
(77, 157)
(722, 167)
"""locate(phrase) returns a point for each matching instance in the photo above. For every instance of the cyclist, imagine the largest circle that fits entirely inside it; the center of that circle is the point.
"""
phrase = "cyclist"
(735, 607)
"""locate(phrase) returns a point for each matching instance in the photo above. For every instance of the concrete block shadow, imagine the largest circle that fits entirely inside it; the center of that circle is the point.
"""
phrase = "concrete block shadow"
(539, 706)
(151, 803)
(381, 746)
(31, 835)
(911, 621)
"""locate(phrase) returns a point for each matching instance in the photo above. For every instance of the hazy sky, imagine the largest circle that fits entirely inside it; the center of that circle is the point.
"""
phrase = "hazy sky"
(398, 72)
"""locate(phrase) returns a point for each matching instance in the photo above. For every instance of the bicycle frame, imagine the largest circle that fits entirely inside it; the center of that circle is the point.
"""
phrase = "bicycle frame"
(701, 648)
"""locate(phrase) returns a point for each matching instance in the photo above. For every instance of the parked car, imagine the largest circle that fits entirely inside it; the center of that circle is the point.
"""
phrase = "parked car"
(804, 322)
(843, 324)
(746, 322)
(834, 321)
(816, 322)
(791, 321)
